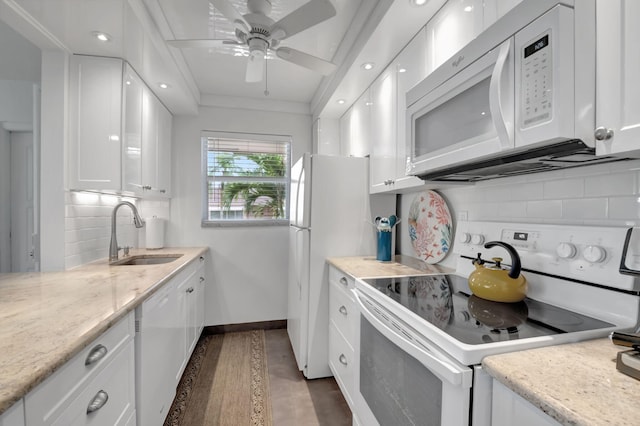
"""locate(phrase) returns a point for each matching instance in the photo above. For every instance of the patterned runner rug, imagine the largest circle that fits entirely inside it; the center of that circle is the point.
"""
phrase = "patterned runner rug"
(226, 383)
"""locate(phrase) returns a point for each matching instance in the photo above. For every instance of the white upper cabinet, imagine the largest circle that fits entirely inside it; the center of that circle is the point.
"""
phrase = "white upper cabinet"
(95, 126)
(147, 148)
(496, 9)
(132, 142)
(383, 129)
(120, 133)
(617, 83)
(355, 128)
(455, 25)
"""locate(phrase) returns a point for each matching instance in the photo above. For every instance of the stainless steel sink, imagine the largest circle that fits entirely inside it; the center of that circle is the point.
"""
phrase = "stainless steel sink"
(147, 259)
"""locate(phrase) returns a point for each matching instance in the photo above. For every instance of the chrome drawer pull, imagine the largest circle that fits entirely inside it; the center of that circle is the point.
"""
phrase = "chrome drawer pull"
(190, 290)
(202, 279)
(201, 258)
(344, 281)
(342, 359)
(343, 310)
(96, 355)
(98, 402)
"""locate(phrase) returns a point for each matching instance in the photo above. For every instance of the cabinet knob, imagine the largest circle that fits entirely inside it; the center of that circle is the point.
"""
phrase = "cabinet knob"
(201, 279)
(190, 290)
(343, 310)
(344, 281)
(201, 258)
(146, 187)
(96, 354)
(162, 191)
(342, 359)
(98, 402)
(603, 134)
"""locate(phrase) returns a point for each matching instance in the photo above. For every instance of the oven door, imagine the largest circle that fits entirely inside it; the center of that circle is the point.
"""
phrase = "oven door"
(401, 378)
(469, 116)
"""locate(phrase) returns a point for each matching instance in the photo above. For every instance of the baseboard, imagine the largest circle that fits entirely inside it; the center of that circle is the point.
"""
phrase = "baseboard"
(247, 326)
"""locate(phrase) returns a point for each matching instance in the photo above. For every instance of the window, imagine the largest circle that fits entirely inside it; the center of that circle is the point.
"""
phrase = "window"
(246, 179)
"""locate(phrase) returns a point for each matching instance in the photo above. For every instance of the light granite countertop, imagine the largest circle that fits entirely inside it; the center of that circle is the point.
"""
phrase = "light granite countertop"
(576, 384)
(46, 318)
(399, 266)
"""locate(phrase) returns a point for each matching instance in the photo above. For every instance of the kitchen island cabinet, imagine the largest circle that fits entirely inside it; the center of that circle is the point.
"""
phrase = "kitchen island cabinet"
(64, 312)
(574, 384)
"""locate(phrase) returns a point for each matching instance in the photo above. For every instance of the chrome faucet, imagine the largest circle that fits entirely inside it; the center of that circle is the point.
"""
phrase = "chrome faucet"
(137, 221)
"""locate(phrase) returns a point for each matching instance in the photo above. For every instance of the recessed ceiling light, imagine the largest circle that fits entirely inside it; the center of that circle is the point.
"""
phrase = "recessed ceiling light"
(468, 8)
(101, 36)
(341, 101)
(163, 85)
(368, 103)
(402, 69)
(418, 2)
(367, 66)
(128, 82)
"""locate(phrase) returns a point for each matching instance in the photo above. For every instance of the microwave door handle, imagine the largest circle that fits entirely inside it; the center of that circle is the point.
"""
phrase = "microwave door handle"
(500, 78)
(440, 367)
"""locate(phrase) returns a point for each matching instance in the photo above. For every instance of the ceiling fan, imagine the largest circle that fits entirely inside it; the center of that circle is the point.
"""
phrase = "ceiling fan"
(260, 33)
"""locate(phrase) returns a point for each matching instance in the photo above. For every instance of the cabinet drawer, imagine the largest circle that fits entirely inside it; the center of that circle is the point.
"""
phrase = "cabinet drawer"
(341, 362)
(106, 400)
(342, 311)
(46, 401)
(339, 277)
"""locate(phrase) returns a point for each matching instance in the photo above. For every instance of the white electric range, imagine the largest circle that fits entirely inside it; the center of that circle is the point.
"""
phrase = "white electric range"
(421, 339)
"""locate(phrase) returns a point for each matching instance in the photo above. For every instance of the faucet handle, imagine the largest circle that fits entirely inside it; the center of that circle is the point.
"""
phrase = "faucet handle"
(125, 250)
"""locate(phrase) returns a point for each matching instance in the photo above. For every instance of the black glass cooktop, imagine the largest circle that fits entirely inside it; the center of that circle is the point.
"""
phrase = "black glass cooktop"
(473, 320)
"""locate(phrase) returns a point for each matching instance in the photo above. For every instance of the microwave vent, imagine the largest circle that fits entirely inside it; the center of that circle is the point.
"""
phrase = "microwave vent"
(562, 155)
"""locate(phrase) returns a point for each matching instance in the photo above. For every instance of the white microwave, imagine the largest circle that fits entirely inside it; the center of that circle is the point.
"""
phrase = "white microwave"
(511, 101)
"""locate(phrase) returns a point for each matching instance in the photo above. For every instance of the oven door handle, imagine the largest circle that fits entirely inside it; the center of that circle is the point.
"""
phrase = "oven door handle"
(442, 368)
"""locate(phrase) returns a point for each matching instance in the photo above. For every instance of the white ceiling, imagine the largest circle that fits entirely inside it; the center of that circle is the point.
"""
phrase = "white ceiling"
(218, 71)
(361, 29)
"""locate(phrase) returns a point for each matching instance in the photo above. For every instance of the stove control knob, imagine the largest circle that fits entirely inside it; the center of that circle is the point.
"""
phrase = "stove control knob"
(465, 237)
(594, 254)
(566, 250)
(477, 239)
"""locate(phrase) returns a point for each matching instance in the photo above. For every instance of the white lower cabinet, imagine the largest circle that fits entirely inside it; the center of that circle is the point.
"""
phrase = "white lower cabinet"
(96, 387)
(14, 416)
(342, 323)
(509, 408)
(166, 335)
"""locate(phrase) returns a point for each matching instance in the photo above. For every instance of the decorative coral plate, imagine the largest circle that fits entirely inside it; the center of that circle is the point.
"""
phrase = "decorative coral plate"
(430, 227)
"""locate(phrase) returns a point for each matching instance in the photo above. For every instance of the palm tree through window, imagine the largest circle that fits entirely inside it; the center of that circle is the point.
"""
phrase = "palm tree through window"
(247, 178)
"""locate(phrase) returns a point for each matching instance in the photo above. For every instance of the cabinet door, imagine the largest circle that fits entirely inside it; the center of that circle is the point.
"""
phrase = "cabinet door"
(14, 416)
(383, 130)
(496, 9)
(411, 69)
(150, 123)
(455, 25)
(132, 155)
(511, 409)
(95, 127)
(184, 295)
(163, 168)
(617, 71)
(354, 128)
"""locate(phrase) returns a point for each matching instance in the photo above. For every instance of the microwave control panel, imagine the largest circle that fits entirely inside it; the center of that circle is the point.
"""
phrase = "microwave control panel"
(537, 81)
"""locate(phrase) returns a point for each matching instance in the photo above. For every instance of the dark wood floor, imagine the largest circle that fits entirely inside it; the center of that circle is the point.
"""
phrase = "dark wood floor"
(295, 400)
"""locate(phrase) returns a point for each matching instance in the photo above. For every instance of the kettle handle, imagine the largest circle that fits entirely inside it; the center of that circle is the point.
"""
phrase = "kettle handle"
(515, 258)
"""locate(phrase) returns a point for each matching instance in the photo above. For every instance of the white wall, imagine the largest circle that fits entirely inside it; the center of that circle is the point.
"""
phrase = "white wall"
(605, 194)
(248, 265)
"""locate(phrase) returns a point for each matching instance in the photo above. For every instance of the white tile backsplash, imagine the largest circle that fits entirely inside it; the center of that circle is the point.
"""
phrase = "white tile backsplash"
(603, 194)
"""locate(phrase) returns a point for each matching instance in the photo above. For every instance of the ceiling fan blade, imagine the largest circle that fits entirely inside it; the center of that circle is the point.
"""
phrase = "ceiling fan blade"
(305, 60)
(304, 17)
(255, 68)
(201, 43)
(230, 12)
